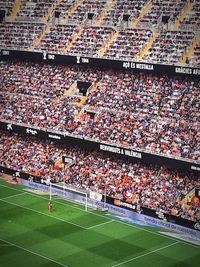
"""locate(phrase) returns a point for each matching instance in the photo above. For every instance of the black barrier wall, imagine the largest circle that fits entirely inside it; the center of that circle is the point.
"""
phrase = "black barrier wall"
(100, 62)
(92, 144)
(116, 202)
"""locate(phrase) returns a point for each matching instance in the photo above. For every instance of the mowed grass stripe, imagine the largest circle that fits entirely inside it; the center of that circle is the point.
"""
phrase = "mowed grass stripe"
(13, 196)
(42, 213)
(105, 217)
(34, 253)
(145, 254)
(92, 247)
(86, 220)
(103, 246)
(94, 243)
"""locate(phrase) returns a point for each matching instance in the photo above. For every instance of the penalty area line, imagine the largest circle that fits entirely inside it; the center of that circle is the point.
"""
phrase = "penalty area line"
(100, 224)
(34, 253)
(45, 214)
(145, 254)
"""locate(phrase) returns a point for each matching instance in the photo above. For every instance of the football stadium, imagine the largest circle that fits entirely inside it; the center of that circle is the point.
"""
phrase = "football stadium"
(99, 133)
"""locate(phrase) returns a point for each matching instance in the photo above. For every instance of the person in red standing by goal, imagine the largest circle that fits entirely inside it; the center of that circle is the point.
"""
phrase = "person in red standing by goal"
(50, 206)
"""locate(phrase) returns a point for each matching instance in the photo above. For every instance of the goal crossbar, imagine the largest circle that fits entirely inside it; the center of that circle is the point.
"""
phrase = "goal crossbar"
(69, 193)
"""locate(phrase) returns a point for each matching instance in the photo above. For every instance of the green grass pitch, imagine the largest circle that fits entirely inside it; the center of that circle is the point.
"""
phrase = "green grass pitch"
(30, 236)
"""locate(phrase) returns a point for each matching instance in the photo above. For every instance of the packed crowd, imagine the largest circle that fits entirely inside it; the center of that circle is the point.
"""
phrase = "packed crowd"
(121, 7)
(195, 58)
(37, 10)
(34, 10)
(192, 20)
(152, 186)
(7, 6)
(169, 47)
(35, 157)
(19, 35)
(142, 111)
(169, 8)
(128, 44)
(90, 41)
(57, 38)
(88, 6)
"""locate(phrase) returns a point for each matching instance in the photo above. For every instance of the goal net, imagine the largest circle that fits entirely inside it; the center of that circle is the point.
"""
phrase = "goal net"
(73, 194)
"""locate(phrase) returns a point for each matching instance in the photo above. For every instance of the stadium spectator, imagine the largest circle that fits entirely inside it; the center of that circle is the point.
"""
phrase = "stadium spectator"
(152, 186)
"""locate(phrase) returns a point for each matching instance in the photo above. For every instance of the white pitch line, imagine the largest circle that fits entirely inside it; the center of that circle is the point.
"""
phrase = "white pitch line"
(59, 219)
(100, 224)
(103, 216)
(34, 253)
(3, 198)
(145, 254)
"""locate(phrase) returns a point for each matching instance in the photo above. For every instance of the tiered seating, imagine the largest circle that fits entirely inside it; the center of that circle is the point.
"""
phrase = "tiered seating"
(34, 156)
(128, 44)
(151, 186)
(91, 41)
(195, 59)
(130, 7)
(63, 7)
(162, 8)
(192, 20)
(41, 112)
(169, 47)
(7, 6)
(19, 35)
(155, 113)
(34, 10)
(36, 79)
(88, 6)
(57, 39)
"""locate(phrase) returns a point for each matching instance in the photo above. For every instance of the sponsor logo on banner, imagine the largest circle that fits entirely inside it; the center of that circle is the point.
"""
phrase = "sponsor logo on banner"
(5, 52)
(44, 55)
(121, 151)
(197, 226)
(17, 174)
(33, 132)
(9, 126)
(196, 168)
(120, 203)
(187, 70)
(95, 196)
(54, 136)
(52, 57)
(160, 214)
(77, 59)
(141, 66)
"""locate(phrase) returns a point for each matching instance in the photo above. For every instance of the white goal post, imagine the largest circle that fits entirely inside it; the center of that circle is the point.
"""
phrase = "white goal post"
(69, 193)
(91, 199)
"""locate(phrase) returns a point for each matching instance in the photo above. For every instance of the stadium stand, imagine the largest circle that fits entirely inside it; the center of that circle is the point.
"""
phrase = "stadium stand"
(132, 8)
(7, 6)
(151, 186)
(90, 41)
(195, 58)
(192, 20)
(19, 35)
(57, 38)
(169, 47)
(147, 112)
(34, 10)
(128, 44)
(133, 109)
(160, 9)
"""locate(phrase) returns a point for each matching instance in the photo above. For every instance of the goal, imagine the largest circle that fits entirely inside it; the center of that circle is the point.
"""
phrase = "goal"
(69, 193)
